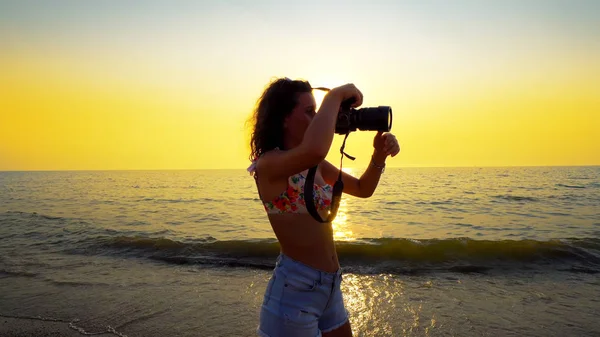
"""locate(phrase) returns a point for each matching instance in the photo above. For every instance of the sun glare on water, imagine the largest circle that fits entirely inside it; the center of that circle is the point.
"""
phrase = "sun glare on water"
(340, 225)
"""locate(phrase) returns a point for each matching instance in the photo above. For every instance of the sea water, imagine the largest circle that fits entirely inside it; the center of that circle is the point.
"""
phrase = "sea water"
(434, 252)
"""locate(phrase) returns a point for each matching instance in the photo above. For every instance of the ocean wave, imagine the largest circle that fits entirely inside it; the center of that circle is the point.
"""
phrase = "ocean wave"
(569, 186)
(516, 198)
(19, 273)
(35, 215)
(172, 201)
(395, 255)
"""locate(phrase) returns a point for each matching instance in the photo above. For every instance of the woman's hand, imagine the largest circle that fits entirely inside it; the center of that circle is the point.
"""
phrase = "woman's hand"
(385, 144)
(348, 91)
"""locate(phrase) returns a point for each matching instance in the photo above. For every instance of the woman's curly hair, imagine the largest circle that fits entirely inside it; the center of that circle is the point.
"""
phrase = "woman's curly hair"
(274, 105)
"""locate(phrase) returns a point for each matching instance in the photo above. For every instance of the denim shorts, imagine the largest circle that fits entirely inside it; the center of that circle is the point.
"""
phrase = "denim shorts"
(301, 301)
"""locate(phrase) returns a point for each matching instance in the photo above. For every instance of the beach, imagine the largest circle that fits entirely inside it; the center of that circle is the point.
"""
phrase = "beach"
(21, 327)
(435, 252)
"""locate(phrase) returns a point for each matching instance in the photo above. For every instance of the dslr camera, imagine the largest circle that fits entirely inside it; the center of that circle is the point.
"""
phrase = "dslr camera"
(364, 119)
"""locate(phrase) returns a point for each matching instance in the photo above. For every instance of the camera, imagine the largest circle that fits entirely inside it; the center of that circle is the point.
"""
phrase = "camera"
(364, 119)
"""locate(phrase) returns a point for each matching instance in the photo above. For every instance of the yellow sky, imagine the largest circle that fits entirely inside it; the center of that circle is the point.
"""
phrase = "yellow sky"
(171, 88)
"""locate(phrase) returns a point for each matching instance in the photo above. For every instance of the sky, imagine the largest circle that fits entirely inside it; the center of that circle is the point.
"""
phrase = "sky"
(128, 85)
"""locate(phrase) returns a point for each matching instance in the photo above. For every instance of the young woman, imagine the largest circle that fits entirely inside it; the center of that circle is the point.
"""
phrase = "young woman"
(303, 296)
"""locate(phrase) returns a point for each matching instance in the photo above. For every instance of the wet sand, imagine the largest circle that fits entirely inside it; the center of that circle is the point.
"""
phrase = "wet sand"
(23, 327)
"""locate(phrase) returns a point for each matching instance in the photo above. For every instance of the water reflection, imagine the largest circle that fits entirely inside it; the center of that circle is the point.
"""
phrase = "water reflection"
(340, 226)
(380, 306)
(363, 299)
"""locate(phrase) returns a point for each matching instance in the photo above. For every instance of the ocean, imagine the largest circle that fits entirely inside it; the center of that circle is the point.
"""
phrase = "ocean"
(434, 252)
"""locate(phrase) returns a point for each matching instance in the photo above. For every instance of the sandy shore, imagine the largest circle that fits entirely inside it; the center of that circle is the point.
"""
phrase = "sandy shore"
(23, 327)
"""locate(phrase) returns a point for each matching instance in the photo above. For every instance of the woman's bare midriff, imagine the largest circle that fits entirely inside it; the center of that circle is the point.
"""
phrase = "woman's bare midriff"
(306, 240)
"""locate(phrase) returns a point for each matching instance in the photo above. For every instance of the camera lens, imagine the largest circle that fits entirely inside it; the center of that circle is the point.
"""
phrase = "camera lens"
(365, 119)
(374, 119)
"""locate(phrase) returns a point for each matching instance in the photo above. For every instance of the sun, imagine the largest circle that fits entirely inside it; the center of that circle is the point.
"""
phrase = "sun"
(320, 94)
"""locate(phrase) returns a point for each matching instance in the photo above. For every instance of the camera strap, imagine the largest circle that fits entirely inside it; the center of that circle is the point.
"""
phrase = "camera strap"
(338, 188)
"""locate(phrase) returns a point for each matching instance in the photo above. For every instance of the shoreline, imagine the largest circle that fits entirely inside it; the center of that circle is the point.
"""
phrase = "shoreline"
(40, 327)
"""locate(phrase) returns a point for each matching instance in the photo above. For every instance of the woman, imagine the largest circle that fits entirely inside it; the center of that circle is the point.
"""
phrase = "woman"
(303, 296)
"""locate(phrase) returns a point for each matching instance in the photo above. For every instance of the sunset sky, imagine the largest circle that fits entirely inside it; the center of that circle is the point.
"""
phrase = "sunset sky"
(169, 84)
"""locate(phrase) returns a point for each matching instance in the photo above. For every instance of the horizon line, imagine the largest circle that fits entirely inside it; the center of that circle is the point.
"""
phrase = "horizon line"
(352, 168)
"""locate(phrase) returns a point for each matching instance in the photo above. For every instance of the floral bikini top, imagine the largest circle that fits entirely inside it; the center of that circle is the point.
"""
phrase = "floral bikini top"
(292, 200)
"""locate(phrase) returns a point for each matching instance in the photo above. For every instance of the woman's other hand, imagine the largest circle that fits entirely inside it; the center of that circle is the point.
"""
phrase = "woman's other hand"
(386, 144)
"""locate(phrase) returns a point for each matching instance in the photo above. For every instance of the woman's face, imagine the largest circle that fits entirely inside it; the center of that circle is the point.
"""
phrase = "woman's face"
(297, 122)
